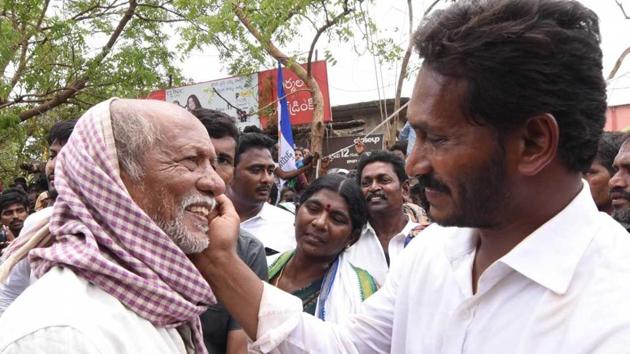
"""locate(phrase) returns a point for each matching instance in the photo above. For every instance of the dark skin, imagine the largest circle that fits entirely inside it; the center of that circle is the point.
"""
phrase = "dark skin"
(539, 187)
(388, 218)
(251, 185)
(323, 230)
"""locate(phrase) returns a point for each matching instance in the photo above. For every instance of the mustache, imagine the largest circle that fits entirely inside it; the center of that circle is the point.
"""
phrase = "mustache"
(619, 192)
(370, 195)
(430, 181)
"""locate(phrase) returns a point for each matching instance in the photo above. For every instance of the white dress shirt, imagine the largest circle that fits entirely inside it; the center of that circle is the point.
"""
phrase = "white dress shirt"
(63, 313)
(367, 252)
(563, 289)
(273, 226)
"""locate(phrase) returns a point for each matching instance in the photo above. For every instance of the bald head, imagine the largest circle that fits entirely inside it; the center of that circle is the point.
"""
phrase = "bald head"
(139, 125)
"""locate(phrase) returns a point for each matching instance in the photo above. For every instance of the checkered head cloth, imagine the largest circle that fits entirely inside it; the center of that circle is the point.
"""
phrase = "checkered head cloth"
(104, 237)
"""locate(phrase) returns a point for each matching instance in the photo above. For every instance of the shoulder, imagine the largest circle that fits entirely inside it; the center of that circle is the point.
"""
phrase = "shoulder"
(275, 213)
(57, 339)
(247, 243)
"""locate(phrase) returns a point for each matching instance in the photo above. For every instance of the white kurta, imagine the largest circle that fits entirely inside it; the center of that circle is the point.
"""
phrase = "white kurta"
(273, 227)
(367, 253)
(564, 289)
(63, 313)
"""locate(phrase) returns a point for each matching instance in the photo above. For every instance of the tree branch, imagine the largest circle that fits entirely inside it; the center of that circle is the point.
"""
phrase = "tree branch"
(618, 63)
(321, 30)
(80, 83)
(623, 10)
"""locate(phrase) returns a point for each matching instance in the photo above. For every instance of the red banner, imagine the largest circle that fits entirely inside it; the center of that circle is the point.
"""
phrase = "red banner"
(298, 96)
(249, 96)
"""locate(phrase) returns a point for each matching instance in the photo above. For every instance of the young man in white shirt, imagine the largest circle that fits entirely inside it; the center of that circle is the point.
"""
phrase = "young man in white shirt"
(250, 189)
(382, 178)
(508, 108)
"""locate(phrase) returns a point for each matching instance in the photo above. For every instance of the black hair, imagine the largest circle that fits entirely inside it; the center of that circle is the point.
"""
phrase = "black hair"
(348, 189)
(607, 148)
(287, 189)
(522, 58)
(12, 196)
(398, 164)
(195, 100)
(252, 129)
(400, 146)
(253, 141)
(218, 124)
(61, 131)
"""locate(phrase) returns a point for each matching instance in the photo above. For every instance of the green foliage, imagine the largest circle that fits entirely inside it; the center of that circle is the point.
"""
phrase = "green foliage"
(281, 22)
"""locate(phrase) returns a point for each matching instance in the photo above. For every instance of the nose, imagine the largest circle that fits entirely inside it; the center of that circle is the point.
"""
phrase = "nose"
(418, 162)
(50, 166)
(320, 220)
(267, 177)
(618, 180)
(210, 181)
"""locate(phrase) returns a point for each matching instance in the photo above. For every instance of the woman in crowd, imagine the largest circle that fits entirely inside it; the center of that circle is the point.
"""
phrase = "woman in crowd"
(329, 218)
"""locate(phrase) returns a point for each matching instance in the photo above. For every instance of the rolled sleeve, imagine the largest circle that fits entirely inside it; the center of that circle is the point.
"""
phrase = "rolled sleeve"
(279, 314)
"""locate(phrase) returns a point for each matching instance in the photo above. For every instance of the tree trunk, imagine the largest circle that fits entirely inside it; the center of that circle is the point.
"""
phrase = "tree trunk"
(317, 126)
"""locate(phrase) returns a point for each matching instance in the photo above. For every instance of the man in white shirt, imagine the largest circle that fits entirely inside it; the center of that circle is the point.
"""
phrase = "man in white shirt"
(136, 184)
(508, 108)
(250, 190)
(382, 178)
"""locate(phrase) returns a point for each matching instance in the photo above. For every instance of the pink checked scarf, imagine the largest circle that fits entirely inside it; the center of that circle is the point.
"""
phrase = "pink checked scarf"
(104, 237)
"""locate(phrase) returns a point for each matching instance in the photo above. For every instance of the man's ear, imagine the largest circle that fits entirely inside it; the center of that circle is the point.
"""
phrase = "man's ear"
(405, 190)
(537, 144)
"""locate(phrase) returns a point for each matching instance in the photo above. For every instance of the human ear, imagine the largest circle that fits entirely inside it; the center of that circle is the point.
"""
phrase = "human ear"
(538, 144)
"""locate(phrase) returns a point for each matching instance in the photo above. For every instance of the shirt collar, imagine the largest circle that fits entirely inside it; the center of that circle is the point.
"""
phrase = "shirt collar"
(405, 230)
(550, 255)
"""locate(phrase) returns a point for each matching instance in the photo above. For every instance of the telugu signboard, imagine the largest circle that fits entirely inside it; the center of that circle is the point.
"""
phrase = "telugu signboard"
(243, 97)
(299, 97)
(348, 158)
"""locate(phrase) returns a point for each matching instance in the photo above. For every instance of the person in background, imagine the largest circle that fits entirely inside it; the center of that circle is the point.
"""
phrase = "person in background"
(21, 276)
(619, 185)
(250, 190)
(602, 169)
(329, 218)
(400, 148)
(14, 208)
(389, 230)
(221, 332)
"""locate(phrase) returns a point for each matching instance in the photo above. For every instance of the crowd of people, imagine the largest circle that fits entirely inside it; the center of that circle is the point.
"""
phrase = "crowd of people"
(497, 223)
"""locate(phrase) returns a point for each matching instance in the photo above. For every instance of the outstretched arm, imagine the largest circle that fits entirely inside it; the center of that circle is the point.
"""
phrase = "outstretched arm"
(232, 281)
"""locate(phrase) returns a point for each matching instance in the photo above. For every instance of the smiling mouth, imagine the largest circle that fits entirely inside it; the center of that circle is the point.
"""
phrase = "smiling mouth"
(200, 210)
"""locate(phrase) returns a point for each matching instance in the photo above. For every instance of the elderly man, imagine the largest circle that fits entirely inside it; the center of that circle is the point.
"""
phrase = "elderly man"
(508, 108)
(221, 332)
(619, 185)
(136, 184)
